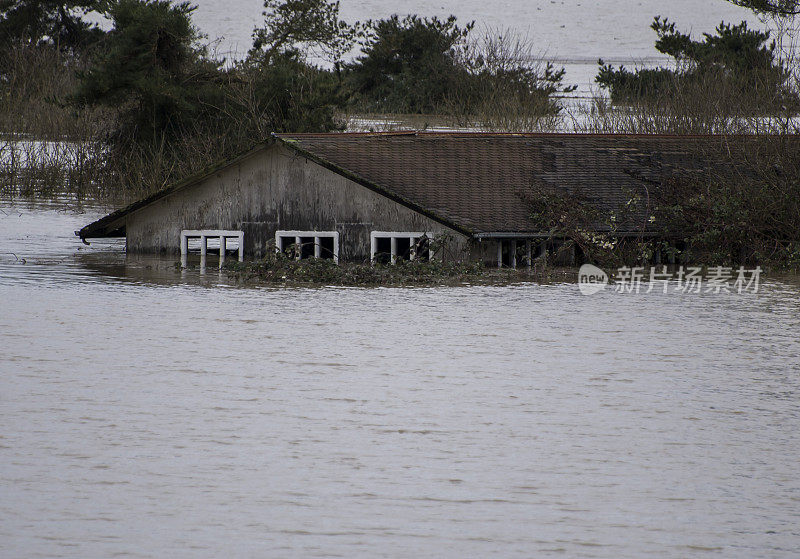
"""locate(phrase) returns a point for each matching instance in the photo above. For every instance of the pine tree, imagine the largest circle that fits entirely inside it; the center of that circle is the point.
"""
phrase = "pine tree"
(56, 22)
(299, 27)
(152, 68)
(778, 8)
(742, 58)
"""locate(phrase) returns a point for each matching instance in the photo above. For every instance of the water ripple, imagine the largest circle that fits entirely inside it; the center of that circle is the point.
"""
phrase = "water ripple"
(146, 413)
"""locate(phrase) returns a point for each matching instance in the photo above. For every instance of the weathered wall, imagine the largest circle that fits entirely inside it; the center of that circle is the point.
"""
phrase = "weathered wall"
(278, 189)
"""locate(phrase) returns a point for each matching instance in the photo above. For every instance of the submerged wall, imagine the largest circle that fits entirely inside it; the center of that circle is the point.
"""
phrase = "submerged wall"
(279, 189)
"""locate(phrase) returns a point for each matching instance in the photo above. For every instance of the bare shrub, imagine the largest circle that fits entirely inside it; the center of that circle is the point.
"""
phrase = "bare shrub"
(508, 87)
(37, 168)
(702, 106)
(34, 84)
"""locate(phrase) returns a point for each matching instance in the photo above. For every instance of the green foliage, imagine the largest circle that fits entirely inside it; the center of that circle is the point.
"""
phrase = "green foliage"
(52, 22)
(279, 268)
(576, 218)
(152, 69)
(770, 7)
(734, 48)
(627, 86)
(736, 56)
(294, 27)
(176, 110)
(744, 207)
(502, 78)
(276, 87)
(286, 95)
(409, 65)
(427, 65)
(167, 87)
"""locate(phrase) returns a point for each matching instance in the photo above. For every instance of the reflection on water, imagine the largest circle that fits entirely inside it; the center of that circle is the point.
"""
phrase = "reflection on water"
(148, 413)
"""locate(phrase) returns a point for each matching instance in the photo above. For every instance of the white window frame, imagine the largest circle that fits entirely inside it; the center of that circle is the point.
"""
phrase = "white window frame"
(413, 237)
(317, 235)
(204, 234)
(514, 245)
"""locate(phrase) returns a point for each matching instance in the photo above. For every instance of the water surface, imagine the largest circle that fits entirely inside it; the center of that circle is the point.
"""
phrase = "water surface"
(147, 413)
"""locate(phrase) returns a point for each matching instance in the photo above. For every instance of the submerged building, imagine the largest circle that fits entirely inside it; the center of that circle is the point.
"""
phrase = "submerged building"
(383, 196)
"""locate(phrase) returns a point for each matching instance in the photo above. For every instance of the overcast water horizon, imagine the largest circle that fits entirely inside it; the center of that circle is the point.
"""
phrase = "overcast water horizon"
(571, 33)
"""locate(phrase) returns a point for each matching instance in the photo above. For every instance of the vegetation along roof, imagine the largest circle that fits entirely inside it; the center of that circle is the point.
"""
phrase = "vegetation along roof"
(483, 183)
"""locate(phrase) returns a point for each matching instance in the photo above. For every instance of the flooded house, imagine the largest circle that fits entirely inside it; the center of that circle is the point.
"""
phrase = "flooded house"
(361, 197)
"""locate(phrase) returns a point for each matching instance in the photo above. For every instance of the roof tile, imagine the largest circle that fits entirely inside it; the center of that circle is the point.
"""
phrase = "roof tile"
(481, 181)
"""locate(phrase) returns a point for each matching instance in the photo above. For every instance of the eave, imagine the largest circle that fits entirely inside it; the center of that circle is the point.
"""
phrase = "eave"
(113, 225)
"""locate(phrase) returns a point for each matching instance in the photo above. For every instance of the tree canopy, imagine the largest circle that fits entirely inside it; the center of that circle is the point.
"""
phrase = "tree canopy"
(436, 66)
(298, 26)
(57, 22)
(409, 64)
(152, 68)
(771, 7)
(742, 59)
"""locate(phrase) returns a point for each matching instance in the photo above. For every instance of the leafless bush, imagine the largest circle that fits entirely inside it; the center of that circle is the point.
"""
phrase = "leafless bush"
(509, 88)
(35, 168)
(702, 106)
(34, 85)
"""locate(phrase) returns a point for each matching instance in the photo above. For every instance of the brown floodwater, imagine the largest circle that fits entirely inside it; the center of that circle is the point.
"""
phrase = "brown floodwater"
(147, 412)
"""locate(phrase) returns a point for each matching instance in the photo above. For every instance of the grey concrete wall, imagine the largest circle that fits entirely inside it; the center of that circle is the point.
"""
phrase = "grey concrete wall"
(279, 189)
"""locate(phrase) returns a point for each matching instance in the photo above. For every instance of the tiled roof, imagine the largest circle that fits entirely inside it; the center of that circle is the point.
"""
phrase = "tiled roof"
(480, 182)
